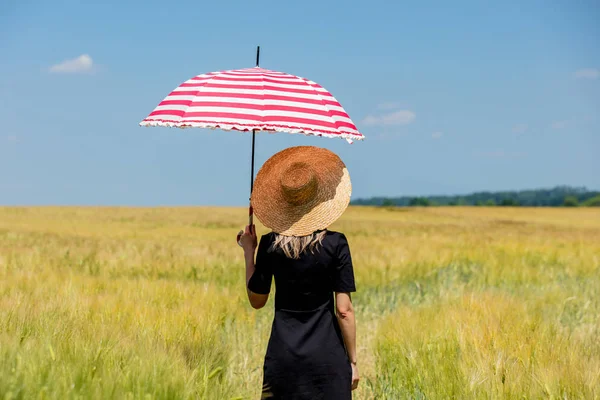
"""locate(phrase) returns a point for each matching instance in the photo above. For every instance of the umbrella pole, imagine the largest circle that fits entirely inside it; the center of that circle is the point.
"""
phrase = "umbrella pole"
(250, 211)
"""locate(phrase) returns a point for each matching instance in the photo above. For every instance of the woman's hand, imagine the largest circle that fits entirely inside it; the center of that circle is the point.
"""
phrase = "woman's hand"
(248, 239)
(355, 376)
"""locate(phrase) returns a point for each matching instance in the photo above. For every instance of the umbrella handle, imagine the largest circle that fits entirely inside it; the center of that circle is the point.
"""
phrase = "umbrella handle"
(250, 222)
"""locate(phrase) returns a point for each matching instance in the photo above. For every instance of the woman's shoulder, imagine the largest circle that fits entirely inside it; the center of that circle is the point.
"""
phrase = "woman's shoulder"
(268, 237)
(332, 237)
(334, 234)
(335, 238)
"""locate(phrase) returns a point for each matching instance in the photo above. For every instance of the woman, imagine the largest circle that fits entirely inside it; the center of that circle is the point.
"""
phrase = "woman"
(311, 353)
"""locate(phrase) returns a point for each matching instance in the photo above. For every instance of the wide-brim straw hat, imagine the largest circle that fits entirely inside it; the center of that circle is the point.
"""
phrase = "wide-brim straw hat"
(301, 190)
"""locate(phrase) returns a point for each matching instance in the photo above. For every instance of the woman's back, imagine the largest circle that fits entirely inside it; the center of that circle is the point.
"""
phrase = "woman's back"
(308, 282)
(306, 357)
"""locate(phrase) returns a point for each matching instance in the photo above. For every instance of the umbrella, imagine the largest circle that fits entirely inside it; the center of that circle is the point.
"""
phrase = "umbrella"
(253, 100)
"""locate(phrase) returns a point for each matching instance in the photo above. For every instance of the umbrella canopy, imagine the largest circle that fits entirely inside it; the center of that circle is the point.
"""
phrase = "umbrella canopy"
(254, 99)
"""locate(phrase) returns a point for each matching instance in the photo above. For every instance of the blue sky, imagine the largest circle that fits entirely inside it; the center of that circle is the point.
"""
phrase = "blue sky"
(453, 97)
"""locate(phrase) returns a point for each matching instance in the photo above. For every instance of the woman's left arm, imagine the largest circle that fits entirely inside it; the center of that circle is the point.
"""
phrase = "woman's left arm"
(249, 244)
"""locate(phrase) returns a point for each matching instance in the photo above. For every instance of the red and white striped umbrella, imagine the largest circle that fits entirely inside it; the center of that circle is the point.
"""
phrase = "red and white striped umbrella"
(254, 99)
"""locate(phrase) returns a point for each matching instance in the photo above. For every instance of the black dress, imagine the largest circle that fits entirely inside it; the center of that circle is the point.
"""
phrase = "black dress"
(306, 357)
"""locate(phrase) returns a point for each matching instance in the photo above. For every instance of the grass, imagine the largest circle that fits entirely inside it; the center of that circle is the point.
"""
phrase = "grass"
(148, 303)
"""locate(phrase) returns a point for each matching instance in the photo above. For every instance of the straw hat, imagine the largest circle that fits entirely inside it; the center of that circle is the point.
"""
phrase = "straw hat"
(301, 190)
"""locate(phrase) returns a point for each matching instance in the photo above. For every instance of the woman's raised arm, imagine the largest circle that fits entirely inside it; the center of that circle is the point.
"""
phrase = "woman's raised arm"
(258, 280)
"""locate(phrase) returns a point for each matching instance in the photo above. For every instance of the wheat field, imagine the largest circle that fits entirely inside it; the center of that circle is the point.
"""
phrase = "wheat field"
(149, 303)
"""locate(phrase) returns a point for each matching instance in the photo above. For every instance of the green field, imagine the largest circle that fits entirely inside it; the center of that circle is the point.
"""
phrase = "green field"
(144, 303)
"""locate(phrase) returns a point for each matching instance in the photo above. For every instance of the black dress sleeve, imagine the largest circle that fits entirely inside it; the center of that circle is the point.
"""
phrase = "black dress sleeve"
(343, 275)
(260, 281)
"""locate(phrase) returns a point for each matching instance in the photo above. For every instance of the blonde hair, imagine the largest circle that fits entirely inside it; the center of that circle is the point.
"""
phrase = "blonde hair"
(294, 246)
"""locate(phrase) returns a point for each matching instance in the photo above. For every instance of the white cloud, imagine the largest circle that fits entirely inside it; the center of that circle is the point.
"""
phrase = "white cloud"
(587, 73)
(558, 124)
(83, 63)
(400, 117)
(520, 128)
(437, 135)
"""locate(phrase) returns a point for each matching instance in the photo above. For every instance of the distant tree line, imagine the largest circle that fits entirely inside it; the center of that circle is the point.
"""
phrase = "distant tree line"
(560, 196)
